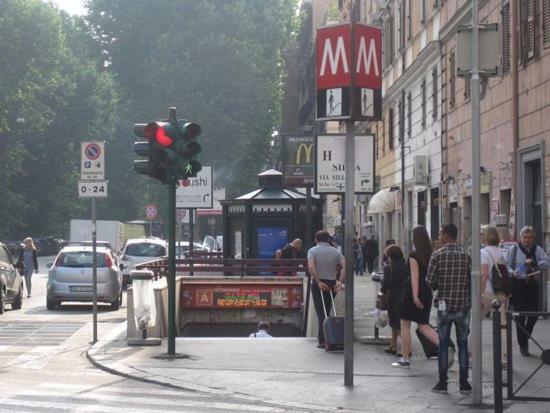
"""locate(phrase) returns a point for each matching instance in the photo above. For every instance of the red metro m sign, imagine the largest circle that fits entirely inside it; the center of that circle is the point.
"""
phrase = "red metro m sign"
(349, 72)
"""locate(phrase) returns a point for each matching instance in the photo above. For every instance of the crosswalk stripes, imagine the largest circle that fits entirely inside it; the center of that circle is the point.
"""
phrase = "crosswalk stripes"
(31, 333)
(132, 397)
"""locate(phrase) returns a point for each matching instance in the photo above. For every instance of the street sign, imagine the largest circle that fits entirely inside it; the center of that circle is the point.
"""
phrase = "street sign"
(298, 167)
(92, 189)
(349, 85)
(196, 192)
(151, 212)
(330, 171)
(92, 161)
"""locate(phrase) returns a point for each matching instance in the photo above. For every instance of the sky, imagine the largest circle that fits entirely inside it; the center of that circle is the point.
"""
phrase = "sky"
(70, 6)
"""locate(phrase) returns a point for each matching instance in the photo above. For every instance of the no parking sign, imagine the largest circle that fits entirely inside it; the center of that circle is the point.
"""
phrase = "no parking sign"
(92, 167)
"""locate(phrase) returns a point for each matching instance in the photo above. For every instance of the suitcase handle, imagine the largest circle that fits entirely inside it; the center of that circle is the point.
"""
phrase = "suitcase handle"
(324, 307)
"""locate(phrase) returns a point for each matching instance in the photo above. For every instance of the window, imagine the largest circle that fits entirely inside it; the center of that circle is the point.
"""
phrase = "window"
(409, 19)
(423, 18)
(546, 22)
(423, 102)
(506, 52)
(409, 115)
(389, 43)
(452, 79)
(528, 32)
(434, 93)
(402, 23)
(467, 88)
(401, 109)
(390, 129)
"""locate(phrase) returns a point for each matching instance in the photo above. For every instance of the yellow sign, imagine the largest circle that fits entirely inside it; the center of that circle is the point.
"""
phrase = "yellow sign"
(308, 149)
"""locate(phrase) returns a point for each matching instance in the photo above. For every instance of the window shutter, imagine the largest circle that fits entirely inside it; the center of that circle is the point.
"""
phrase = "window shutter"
(390, 128)
(467, 87)
(546, 22)
(452, 80)
(409, 115)
(434, 93)
(531, 28)
(506, 50)
(423, 97)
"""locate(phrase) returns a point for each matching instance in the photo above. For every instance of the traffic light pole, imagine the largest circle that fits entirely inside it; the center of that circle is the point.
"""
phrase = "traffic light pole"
(171, 279)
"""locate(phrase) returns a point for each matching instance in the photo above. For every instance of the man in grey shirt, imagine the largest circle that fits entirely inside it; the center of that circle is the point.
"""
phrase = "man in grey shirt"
(324, 263)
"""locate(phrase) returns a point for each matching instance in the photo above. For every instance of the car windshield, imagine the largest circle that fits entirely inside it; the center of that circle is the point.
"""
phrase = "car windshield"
(145, 250)
(80, 259)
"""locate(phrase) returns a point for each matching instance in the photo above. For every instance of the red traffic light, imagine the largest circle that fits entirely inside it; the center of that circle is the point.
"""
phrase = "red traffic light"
(162, 137)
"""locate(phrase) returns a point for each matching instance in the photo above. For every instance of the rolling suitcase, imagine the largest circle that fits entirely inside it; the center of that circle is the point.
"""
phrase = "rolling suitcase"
(333, 328)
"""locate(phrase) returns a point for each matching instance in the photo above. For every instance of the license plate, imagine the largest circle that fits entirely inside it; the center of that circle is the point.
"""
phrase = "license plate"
(81, 289)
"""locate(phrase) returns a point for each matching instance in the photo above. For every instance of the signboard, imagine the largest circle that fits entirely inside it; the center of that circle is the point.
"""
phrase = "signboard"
(330, 172)
(298, 167)
(282, 295)
(92, 161)
(196, 192)
(151, 212)
(349, 88)
(92, 189)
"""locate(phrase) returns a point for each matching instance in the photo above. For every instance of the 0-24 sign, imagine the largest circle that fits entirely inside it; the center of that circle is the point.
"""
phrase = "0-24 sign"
(92, 189)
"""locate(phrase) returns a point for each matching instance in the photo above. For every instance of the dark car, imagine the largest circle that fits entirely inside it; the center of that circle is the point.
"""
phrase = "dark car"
(11, 283)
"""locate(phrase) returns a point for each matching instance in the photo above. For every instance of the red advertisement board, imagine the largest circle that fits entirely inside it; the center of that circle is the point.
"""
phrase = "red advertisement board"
(238, 295)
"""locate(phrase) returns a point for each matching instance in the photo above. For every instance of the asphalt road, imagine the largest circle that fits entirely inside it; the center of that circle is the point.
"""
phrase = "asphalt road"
(43, 365)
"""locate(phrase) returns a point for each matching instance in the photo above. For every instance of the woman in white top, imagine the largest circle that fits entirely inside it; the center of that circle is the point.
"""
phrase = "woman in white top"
(491, 255)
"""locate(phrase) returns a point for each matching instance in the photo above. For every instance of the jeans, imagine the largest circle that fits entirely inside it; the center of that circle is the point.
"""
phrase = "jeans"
(318, 302)
(359, 265)
(28, 276)
(445, 320)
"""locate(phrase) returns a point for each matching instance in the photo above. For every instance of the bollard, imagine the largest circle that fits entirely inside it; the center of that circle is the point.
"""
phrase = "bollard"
(497, 357)
(144, 307)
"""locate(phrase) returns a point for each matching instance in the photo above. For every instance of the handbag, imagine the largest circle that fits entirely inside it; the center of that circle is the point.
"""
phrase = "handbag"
(382, 300)
(500, 278)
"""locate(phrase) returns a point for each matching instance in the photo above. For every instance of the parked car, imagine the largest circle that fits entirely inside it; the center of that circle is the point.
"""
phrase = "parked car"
(211, 243)
(182, 248)
(70, 277)
(140, 250)
(11, 283)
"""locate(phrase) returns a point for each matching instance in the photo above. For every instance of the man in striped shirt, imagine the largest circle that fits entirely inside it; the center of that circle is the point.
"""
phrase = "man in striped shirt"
(449, 272)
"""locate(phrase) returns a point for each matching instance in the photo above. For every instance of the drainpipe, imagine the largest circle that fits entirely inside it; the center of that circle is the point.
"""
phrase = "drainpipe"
(515, 110)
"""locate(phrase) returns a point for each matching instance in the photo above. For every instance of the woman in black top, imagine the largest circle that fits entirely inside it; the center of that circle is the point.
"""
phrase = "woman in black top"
(395, 275)
(417, 296)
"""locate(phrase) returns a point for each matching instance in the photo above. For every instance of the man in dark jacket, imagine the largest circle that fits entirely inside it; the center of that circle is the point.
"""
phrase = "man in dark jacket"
(370, 253)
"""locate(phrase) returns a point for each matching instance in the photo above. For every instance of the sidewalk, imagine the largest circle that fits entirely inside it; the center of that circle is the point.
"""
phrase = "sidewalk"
(294, 373)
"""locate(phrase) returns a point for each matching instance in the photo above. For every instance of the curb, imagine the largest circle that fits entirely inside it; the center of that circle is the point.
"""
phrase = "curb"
(121, 370)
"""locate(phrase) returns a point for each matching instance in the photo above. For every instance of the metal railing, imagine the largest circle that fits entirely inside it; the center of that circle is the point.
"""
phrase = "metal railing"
(513, 394)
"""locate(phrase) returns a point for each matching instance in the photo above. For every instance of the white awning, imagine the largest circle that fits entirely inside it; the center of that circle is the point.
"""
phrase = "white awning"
(382, 201)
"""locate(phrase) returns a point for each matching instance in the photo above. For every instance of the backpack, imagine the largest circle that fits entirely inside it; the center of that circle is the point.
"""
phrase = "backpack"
(500, 278)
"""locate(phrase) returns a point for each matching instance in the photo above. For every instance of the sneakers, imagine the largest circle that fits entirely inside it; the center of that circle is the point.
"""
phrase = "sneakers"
(440, 387)
(524, 351)
(402, 363)
(465, 388)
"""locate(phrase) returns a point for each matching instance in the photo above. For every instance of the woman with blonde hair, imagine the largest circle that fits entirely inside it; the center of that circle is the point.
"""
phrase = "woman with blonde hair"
(29, 261)
(491, 256)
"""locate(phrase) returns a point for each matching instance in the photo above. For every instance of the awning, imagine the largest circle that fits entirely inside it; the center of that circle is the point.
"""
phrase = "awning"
(209, 212)
(382, 201)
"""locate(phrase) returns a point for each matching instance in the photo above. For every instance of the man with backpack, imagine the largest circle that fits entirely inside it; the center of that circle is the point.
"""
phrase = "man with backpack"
(526, 260)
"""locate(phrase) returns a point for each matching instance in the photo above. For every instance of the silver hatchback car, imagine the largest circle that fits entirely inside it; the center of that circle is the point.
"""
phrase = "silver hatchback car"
(70, 277)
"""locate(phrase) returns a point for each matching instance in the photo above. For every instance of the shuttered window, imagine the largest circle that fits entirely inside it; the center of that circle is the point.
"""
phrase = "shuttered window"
(467, 87)
(409, 115)
(506, 37)
(546, 22)
(528, 30)
(434, 93)
(389, 44)
(423, 100)
(452, 79)
(390, 128)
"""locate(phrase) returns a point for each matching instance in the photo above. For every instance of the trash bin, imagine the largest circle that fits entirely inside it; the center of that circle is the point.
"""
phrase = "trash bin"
(145, 312)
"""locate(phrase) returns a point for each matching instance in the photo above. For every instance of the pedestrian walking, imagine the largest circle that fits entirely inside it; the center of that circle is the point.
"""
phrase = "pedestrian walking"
(371, 253)
(526, 261)
(396, 274)
(491, 256)
(358, 257)
(27, 257)
(363, 245)
(449, 273)
(324, 263)
(417, 297)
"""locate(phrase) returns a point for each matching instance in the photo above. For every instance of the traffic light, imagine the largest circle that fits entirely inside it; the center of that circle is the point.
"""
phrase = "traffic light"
(170, 147)
(187, 150)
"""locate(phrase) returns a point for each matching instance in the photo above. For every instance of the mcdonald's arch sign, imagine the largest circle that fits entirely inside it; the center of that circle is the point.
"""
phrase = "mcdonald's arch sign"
(298, 160)
(349, 72)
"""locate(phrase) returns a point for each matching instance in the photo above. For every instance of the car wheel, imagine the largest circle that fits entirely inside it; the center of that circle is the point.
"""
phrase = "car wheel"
(18, 302)
(115, 305)
(50, 304)
(2, 301)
